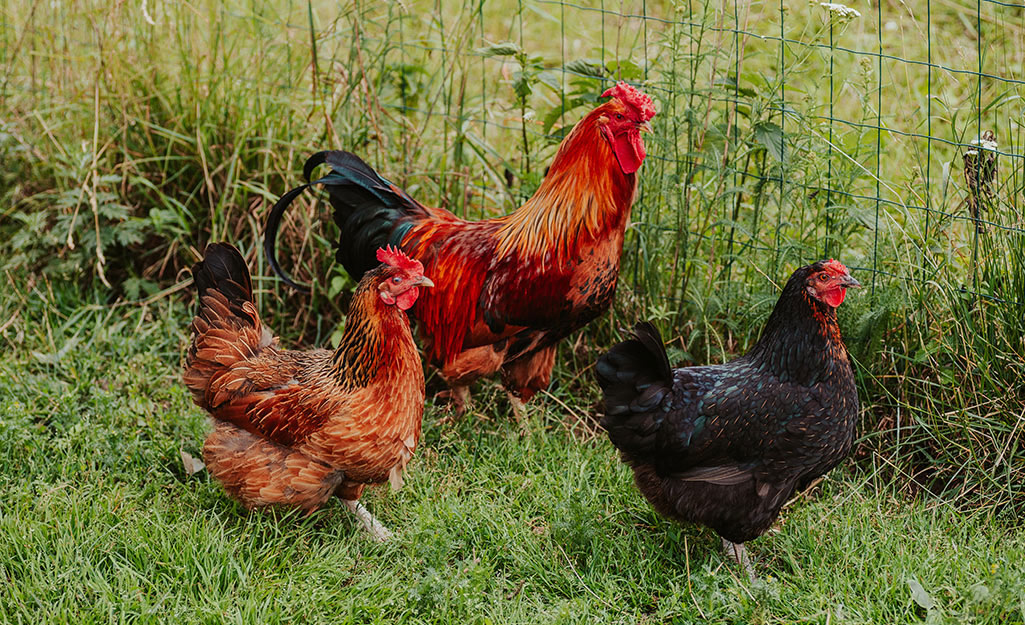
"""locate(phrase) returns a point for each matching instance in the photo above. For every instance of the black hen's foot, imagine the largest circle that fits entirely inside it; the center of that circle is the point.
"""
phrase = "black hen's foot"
(738, 554)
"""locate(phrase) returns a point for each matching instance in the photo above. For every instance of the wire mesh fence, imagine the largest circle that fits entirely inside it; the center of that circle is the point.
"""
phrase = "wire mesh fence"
(886, 135)
(798, 130)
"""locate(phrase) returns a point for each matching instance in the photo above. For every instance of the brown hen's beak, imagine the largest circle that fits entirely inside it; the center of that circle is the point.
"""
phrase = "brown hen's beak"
(425, 281)
(645, 127)
(849, 282)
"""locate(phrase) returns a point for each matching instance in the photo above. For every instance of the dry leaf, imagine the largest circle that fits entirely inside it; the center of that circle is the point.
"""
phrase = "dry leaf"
(192, 465)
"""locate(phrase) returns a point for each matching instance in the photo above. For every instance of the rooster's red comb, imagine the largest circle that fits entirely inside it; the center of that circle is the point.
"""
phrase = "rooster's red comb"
(395, 257)
(836, 267)
(632, 97)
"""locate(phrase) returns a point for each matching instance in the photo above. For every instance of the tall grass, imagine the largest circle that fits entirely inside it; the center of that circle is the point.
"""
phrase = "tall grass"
(133, 134)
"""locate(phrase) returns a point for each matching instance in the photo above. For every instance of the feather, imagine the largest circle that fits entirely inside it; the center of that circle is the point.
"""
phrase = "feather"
(722, 475)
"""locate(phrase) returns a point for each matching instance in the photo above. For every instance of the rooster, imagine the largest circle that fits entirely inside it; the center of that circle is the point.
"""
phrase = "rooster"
(727, 445)
(511, 287)
(293, 428)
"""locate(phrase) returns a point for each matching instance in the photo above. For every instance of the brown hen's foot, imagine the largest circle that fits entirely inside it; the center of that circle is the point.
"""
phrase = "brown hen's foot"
(738, 554)
(377, 529)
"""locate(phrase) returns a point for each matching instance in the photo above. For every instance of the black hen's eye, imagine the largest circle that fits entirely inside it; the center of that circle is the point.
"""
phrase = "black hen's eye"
(619, 116)
(823, 277)
(396, 279)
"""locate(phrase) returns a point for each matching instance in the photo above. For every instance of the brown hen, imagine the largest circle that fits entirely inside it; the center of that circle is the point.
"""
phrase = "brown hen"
(293, 428)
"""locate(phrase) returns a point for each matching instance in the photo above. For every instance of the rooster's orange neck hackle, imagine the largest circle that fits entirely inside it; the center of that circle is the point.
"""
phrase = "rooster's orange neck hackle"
(590, 185)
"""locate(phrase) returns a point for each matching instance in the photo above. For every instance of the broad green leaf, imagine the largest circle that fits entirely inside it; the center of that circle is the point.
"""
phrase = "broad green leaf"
(771, 137)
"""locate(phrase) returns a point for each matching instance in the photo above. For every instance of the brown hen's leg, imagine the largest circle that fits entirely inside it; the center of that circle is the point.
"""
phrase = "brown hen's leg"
(372, 525)
(260, 473)
(527, 375)
(349, 493)
(738, 554)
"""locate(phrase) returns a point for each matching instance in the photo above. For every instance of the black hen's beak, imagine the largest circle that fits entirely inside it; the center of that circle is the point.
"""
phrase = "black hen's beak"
(848, 281)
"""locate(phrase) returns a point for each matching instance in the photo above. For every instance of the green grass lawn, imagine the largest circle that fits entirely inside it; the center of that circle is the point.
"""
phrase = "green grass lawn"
(498, 523)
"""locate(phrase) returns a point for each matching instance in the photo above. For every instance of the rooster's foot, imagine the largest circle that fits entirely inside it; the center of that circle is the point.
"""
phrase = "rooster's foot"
(379, 532)
(459, 401)
(519, 407)
(738, 554)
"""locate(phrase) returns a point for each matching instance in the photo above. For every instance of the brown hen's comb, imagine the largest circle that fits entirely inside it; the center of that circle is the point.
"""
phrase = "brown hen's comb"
(632, 97)
(395, 257)
(836, 267)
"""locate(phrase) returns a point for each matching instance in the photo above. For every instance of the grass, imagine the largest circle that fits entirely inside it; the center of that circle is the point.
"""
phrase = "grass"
(100, 523)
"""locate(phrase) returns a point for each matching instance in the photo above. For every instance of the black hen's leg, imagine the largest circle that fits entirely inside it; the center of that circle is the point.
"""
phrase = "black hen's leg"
(737, 553)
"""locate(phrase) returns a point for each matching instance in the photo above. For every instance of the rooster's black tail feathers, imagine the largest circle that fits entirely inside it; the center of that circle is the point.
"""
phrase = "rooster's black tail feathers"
(367, 209)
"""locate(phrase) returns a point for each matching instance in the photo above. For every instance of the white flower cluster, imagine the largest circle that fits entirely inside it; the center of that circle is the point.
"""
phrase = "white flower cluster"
(985, 142)
(840, 10)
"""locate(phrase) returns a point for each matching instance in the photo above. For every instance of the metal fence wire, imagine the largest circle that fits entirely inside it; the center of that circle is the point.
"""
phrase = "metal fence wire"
(888, 135)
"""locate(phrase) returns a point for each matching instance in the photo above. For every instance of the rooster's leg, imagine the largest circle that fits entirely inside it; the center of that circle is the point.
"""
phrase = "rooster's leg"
(459, 400)
(518, 406)
(375, 527)
(527, 375)
(737, 553)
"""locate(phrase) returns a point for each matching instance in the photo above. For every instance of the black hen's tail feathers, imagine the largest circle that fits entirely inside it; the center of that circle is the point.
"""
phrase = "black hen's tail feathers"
(367, 209)
(635, 377)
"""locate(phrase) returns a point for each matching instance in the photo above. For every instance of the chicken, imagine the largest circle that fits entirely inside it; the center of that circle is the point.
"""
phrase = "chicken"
(727, 445)
(512, 287)
(292, 428)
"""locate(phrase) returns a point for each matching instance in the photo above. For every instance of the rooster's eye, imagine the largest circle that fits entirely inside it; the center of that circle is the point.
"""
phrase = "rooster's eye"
(396, 279)
(619, 116)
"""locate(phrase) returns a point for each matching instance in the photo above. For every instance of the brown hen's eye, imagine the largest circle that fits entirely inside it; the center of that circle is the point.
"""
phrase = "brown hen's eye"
(396, 279)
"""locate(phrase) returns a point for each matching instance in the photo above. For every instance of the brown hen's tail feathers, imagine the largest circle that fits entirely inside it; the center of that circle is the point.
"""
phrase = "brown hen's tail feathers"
(226, 328)
(223, 269)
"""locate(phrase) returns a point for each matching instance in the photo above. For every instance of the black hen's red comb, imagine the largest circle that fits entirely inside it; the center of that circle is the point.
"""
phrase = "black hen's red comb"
(836, 267)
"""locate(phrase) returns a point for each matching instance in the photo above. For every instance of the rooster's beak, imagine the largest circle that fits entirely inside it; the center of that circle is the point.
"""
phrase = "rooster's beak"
(645, 127)
(425, 281)
(849, 282)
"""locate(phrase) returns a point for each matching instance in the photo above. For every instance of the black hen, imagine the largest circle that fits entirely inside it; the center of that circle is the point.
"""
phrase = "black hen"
(727, 445)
